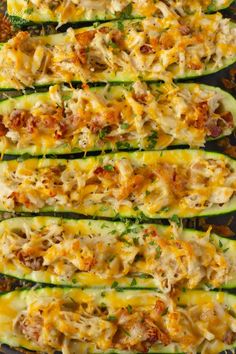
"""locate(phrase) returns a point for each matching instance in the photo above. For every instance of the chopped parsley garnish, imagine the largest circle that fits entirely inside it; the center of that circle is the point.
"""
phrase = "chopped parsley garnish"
(176, 219)
(127, 11)
(108, 168)
(133, 282)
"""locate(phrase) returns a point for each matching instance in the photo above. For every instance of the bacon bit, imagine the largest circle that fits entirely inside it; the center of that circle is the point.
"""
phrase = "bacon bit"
(61, 132)
(102, 173)
(155, 334)
(84, 38)
(99, 170)
(6, 29)
(213, 128)
(160, 307)
(185, 30)
(141, 98)
(30, 261)
(178, 184)
(194, 66)
(18, 119)
(96, 124)
(228, 118)
(81, 56)
(104, 30)
(118, 38)
(146, 49)
(31, 123)
(203, 113)
(229, 337)
(3, 128)
(175, 292)
(20, 199)
(151, 231)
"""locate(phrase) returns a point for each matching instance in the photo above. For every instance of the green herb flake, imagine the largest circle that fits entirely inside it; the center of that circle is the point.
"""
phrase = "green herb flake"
(129, 308)
(112, 44)
(124, 126)
(114, 284)
(108, 168)
(136, 241)
(104, 131)
(133, 282)
(29, 11)
(123, 145)
(120, 26)
(220, 244)
(158, 252)
(127, 11)
(111, 318)
(176, 219)
(152, 139)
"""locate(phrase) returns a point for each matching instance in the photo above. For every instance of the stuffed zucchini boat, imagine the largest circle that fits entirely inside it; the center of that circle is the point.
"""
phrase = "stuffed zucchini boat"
(63, 11)
(148, 49)
(91, 321)
(115, 117)
(89, 253)
(154, 184)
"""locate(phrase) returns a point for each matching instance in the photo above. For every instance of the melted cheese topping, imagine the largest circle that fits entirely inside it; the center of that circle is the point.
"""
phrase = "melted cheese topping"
(152, 49)
(134, 183)
(64, 11)
(110, 253)
(148, 117)
(134, 327)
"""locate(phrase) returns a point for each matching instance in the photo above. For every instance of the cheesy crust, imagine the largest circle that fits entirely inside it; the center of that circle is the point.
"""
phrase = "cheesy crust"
(63, 11)
(154, 184)
(97, 253)
(149, 49)
(115, 117)
(92, 321)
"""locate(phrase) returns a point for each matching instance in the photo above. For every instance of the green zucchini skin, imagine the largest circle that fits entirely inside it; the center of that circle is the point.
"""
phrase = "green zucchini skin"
(7, 106)
(119, 76)
(13, 303)
(98, 227)
(106, 210)
(23, 19)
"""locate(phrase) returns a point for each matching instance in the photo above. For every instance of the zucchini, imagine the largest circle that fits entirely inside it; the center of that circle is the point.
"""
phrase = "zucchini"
(28, 127)
(21, 312)
(26, 257)
(28, 12)
(109, 52)
(152, 184)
